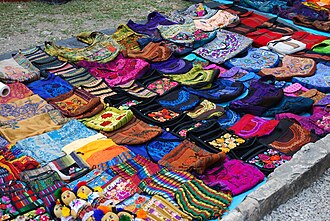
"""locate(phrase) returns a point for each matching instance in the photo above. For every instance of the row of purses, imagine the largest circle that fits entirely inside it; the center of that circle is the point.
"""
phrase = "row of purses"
(267, 152)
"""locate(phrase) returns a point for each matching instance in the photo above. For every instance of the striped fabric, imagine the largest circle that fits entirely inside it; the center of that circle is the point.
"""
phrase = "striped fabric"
(165, 183)
(34, 54)
(121, 158)
(47, 195)
(99, 88)
(131, 166)
(78, 77)
(201, 202)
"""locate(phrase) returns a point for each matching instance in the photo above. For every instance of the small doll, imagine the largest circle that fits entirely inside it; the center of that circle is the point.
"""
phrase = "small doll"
(79, 208)
(94, 198)
(57, 212)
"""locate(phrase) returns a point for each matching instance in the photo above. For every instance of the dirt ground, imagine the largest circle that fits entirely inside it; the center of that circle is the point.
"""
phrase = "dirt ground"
(27, 24)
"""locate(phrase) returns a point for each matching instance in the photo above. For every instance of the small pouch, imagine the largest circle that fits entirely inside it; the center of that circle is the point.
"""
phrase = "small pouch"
(262, 36)
(286, 45)
(173, 65)
(250, 126)
(224, 47)
(294, 90)
(266, 159)
(75, 103)
(313, 94)
(182, 129)
(155, 82)
(291, 67)
(162, 86)
(197, 77)
(179, 100)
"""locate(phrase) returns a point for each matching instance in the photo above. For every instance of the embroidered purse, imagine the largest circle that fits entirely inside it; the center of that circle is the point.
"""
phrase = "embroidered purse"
(18, 69)
(133, 133)
(288, 137)
(179, 100)
(255, 60)
(189, 157)
(220, 91)
(212, 137)
(225, 46)
(153, 113)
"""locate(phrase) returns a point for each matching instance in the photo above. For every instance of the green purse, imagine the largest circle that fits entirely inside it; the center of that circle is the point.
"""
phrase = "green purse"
(323, 47)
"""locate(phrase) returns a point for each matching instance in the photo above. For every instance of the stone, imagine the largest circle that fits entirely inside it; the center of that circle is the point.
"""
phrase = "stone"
(233, 216)
(249, 208)
(45, 33)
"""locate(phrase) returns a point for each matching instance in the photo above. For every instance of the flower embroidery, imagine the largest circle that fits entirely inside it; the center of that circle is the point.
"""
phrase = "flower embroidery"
(270, 159)
(227, 142)
(163, 115)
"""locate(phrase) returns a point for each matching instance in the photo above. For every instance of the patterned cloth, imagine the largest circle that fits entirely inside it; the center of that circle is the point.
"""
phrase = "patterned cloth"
(54, 141)
(102, 48)
(22, 109)
(50, 87)
(117, 72)
(165, 183)
(18, 91)
(18, 69)
(225, 46)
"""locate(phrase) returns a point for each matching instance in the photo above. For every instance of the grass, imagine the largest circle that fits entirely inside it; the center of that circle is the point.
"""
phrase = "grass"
(77, 15)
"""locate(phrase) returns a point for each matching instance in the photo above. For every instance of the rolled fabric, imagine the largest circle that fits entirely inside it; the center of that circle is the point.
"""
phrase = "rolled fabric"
(4, 90)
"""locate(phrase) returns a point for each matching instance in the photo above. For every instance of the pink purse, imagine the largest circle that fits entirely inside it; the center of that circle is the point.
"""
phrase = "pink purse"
(294, 90)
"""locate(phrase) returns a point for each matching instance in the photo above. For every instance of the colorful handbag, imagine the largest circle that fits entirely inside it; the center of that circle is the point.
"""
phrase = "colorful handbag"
(225, 46)
(288, 137)
(286, 45)
(255, 60)
(18, 69)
